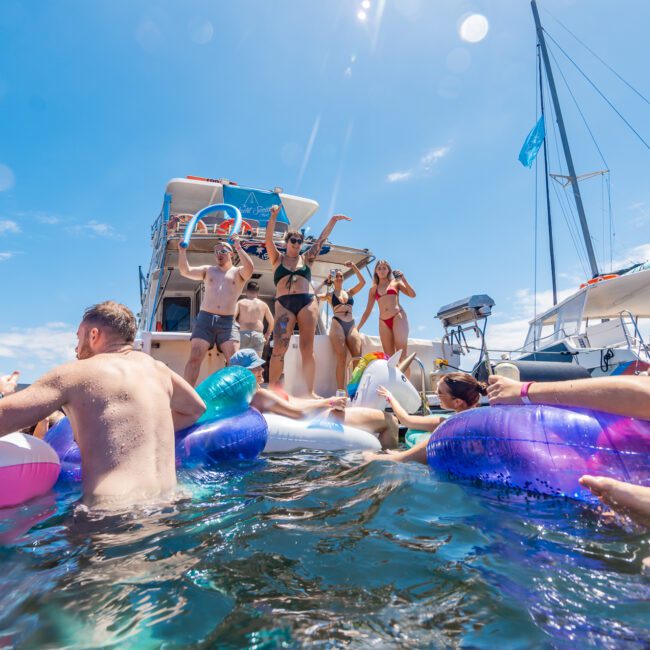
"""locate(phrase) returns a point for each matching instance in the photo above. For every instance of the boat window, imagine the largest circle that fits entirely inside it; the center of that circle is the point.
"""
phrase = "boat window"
(176, 314)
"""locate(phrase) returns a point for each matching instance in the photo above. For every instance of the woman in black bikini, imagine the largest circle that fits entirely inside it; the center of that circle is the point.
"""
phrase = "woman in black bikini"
(295, 300)
(393, 324)
(343, 331)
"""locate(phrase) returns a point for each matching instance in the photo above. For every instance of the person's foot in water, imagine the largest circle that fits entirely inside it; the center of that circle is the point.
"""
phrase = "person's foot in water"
(624, 498)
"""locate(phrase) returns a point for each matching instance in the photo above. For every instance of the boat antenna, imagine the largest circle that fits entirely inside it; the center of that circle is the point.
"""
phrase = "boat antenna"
(548, 198)
(565, 143)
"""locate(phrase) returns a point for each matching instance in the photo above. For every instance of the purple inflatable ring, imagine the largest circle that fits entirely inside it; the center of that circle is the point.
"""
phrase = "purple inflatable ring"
(542, 449)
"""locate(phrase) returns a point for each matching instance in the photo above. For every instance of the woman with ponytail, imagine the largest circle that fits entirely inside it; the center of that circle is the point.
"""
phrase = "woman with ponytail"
(457, 392)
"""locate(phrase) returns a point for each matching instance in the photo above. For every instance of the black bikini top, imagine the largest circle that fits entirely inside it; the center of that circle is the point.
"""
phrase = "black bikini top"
(282, 271)
(336, 302)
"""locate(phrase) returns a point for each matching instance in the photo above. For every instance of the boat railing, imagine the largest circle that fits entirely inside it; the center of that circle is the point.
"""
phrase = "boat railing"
(532, 347)
(636, 343)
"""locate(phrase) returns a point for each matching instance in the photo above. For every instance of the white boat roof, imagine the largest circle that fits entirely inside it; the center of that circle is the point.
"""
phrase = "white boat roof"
(608, 298)
(189, 195)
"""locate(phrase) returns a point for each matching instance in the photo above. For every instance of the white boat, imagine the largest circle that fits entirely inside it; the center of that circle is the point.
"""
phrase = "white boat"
(597, 327)
(171, 302)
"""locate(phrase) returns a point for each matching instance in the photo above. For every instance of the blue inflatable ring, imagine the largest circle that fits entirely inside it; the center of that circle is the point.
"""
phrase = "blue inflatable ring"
(542, 449)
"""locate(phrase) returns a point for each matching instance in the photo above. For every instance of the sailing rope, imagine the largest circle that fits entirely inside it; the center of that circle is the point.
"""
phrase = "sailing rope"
(609, 67)
(595, 87)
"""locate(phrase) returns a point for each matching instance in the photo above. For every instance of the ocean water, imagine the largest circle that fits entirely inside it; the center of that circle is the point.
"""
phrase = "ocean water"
(316, 550)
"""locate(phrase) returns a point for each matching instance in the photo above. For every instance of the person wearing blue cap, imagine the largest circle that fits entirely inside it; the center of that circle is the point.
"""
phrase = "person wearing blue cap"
(266, 400)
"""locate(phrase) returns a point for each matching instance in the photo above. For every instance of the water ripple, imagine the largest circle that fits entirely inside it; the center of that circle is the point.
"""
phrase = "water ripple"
(318, 550)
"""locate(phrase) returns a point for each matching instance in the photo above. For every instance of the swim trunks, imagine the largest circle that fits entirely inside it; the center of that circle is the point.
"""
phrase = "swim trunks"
(252, 339)
(215, 329)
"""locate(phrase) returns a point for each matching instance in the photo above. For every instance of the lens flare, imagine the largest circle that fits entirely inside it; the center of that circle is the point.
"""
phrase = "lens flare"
(474, 28)
(362, 15)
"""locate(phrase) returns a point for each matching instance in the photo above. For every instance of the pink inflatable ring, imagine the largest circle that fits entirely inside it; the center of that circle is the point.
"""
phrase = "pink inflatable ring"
(29, 468)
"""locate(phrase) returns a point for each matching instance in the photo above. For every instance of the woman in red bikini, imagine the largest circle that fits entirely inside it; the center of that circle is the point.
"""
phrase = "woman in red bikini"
(295, 300)
(393, 323)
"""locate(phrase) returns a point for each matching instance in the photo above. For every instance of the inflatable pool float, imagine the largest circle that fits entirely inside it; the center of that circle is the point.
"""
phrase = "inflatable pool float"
(375, 370)
(414, 437)
(238, 437)
(542, 449)
(29, 468)
(234, 432)
(286, 434)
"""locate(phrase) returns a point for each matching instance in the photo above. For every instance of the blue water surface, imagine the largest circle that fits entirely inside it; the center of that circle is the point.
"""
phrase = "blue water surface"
(317, 550)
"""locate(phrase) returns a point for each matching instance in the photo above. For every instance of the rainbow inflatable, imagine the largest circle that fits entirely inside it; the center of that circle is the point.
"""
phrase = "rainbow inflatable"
(366, 360)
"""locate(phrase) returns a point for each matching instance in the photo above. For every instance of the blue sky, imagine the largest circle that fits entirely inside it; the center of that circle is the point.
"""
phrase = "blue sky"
(414, 133)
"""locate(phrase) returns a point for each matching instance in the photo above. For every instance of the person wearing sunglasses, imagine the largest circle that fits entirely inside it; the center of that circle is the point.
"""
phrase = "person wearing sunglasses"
(295, 300)
(215, 324)
(344, 334)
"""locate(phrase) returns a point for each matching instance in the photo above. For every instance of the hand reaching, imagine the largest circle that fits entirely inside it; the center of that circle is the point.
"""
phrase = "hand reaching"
(8, 383)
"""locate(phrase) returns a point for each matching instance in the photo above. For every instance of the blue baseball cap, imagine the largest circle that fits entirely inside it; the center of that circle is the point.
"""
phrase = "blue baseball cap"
(247, 358)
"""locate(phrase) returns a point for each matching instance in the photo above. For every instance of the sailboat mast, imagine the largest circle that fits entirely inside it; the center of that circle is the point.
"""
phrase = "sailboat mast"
(573, 179)
(548, 198)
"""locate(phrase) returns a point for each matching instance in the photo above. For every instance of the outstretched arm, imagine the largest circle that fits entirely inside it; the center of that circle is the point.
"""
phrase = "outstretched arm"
(628, 396)
(312, 253)
(359, 285)
(187, 271)
(246, 269)
(420, 422)
(186, 404)
(29, 406)
(271, 248)
(369, 306)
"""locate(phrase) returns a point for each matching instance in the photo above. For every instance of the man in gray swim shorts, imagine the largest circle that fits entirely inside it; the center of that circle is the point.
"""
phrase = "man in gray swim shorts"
(254, 318)
(215, 323)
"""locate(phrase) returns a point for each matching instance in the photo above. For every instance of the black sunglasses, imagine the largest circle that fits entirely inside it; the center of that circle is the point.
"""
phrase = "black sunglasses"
(295, 240)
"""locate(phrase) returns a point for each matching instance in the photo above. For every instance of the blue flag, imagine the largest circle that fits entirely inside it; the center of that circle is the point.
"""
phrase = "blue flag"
(254, 204)
(532, 143)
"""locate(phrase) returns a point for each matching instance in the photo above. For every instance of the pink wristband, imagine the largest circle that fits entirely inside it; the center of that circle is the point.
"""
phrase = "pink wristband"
(524, 392)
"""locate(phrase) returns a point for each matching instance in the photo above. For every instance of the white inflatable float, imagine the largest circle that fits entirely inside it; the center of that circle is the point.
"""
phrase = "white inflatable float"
(29, 468)
(374, 370)
(286, 434)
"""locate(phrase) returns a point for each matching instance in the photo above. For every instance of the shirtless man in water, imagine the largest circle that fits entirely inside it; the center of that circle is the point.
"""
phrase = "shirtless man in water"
(250, 313)
(216, 322)
(123, 406)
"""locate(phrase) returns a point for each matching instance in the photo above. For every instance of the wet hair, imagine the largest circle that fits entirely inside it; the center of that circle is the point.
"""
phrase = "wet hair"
(463, 386)
(252, 286)
(375, 277)
(293, 233)
(113, 316)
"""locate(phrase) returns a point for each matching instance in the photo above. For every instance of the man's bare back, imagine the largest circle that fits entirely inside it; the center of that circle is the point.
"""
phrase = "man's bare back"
(250, 314)
(124, 408)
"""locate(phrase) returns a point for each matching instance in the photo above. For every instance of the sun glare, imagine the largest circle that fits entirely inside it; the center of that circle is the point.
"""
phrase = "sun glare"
(474, 28)
(362, 15)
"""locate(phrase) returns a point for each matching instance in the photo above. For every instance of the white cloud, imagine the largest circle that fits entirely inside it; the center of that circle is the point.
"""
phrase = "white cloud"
(48, 219)
(95, 229)
(7, 178)
(640, 253)
(40, 347)
(422, 168)
(8, 226)
(433, 156)
(5, 255)
(395, 177)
